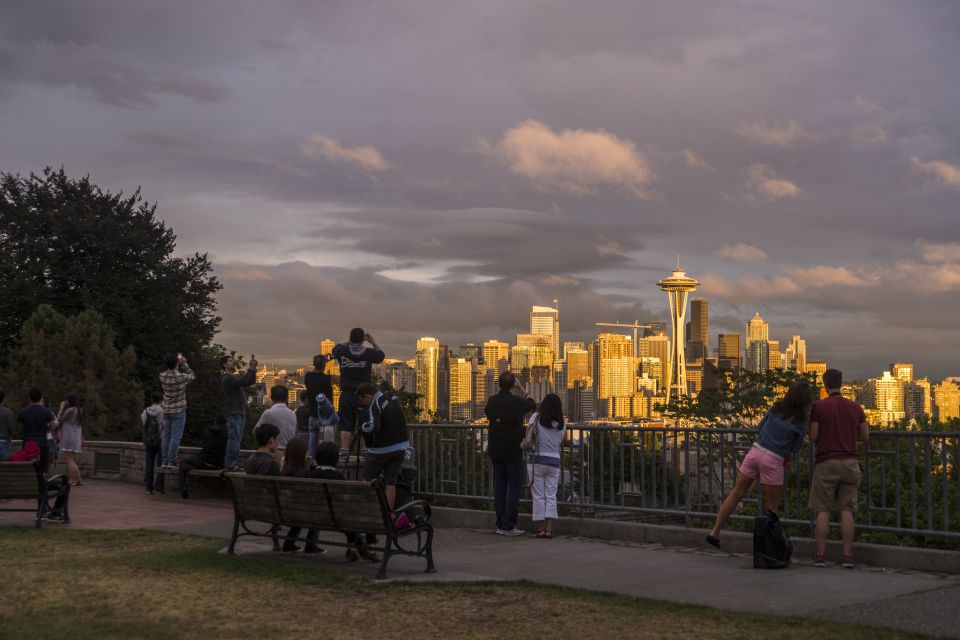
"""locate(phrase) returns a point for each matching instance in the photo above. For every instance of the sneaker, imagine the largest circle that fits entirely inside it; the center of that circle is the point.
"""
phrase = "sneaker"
(820, 562)
(314, 549)
(500, 532)
(514, 532)
(289, 548)
(148, 492)
(848, 562)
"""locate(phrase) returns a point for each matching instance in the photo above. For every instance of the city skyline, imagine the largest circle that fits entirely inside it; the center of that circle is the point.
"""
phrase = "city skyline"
(801, 158)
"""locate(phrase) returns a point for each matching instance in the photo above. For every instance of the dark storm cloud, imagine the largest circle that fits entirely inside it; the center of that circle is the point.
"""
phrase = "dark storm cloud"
(448, 143)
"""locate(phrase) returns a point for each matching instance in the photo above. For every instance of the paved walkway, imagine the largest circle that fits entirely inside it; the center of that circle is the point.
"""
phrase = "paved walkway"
(911, 601)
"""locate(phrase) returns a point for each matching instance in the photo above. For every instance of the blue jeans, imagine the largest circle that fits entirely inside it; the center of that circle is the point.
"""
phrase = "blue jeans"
(173, 424)
(4, 450)
(235, 424)
(314, 434)
(507, 489)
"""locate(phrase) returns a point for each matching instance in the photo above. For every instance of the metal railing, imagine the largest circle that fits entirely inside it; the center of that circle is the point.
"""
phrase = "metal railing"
(910, 480)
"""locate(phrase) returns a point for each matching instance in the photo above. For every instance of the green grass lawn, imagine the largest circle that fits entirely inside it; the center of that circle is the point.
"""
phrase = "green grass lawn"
(67, 584)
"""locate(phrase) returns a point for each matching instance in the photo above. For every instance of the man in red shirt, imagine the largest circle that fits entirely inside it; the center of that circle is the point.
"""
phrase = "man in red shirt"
(836, 426)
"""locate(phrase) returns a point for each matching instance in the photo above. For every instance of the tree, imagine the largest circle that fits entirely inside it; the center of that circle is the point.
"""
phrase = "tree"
(71, 245)
(77, 354)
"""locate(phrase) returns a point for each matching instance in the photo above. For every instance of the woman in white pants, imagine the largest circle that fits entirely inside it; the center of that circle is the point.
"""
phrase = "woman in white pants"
(543, 464)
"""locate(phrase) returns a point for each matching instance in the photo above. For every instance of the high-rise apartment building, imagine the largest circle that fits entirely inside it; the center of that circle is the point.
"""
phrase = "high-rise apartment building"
(697, 339)
(917, 398)
(398, 374)
(546, 320)
(578, 367)
(658, 347)
(496, 355)
(796, 354)
(567, 346)
(524, 359)
(728, 352)
(326, 347)
(884, 396)
(609, 347)
(428, 362)
(443, 381)
(470, 351)
(461, 389)
(757, 329)
(902, 371)
(946, 397)
(652, 367)
(775, 355)
(758, 356)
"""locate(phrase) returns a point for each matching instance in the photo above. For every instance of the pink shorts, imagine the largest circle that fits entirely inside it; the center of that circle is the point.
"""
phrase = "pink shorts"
(763, 466)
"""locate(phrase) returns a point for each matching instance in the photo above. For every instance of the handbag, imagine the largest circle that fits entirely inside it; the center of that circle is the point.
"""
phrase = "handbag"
(529, 444)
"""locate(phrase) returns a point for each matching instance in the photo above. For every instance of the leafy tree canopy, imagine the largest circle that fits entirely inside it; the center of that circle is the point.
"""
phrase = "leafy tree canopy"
(69, 244)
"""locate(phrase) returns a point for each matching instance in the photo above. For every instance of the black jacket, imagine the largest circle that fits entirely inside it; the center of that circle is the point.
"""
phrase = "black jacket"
(214, 446)
(505, 412)
(235, 400)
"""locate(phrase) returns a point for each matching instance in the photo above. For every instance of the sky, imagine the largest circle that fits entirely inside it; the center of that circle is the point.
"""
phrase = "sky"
(437, 168)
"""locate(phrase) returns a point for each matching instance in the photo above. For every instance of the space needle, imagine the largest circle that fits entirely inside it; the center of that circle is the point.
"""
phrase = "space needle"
(678, 286)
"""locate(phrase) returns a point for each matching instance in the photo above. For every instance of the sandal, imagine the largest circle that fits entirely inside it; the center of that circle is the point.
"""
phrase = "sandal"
(548, 535)
(352, 555)
(714, 542)
(541, 534)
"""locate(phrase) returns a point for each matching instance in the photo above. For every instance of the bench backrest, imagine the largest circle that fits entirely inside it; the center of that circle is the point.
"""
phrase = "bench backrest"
(19, 480)
(340, 505)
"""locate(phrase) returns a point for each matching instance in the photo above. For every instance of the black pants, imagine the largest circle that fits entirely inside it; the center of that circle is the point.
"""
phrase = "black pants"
(188, 464)
(152, 460)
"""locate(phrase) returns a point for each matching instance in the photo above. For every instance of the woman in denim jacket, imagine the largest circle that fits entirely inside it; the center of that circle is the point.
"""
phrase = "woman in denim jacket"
(779, 435)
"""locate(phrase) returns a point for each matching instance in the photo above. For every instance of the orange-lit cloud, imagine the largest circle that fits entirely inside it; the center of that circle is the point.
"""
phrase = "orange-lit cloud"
(943, 173)
(247, 273)
(774, 134)
(763, 183)
(574, 161)
(364, 157)
(740, 252)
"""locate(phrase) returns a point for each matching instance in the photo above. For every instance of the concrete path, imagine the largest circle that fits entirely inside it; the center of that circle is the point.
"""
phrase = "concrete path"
(926, 603)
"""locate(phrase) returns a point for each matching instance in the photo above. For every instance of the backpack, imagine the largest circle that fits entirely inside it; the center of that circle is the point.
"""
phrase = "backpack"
(771, 544)
(386, 407)
(151, 431)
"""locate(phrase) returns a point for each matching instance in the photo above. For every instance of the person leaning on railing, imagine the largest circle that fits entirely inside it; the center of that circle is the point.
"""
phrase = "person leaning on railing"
(779, 435)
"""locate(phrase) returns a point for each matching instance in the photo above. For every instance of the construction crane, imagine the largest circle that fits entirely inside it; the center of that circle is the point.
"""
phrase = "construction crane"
(635, 326)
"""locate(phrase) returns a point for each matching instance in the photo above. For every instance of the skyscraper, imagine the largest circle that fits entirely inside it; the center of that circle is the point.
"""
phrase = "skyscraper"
(797, 354)
(428, 359)
(699, 327)
(947, 400)
(470, 350)
(326, 347)
(758, 356)
(677, 287)
(578, 367)
(546, 320)
(607, 348)
(902, 371)
(757, 329)
(728, 352)
(496, 355)
(461, 389)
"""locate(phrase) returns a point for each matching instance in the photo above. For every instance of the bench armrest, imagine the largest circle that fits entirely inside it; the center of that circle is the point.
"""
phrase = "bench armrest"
(415, 503)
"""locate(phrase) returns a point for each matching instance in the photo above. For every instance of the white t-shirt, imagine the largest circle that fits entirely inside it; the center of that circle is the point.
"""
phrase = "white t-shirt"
(549, 441)
(282, 417)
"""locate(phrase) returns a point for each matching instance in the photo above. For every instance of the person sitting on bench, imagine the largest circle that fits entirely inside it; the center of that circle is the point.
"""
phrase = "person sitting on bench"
(211, 455)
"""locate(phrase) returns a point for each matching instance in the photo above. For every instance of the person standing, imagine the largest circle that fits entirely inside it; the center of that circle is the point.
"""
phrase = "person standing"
(281, 416)
(151, 421)
(836, 426)
(6, 429)
(235, 404)
(37, 422)
(386, 432)
(356, 362)
(71, 436)
(318, 381)
(506, 412)
(174, 382)
(303, 417)
(543, 465)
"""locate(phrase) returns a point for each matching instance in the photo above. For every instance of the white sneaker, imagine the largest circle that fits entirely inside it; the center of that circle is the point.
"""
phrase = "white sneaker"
(500, 532)
(514, 532)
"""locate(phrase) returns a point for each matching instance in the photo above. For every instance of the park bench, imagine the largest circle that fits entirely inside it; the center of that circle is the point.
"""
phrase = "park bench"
(201, 483)
(341, 506)
(24, 481)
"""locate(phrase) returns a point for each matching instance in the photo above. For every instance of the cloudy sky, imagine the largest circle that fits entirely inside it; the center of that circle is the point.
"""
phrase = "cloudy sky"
(435, 168)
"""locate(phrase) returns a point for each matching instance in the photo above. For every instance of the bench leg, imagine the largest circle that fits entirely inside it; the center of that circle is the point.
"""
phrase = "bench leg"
(232, 549)
(429, 550)
(41, 511)
(382, 573)
(276, 538)
(66, 506)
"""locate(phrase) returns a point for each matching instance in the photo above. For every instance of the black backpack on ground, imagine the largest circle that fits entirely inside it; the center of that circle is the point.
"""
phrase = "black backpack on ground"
(771, 544)
(151, 431)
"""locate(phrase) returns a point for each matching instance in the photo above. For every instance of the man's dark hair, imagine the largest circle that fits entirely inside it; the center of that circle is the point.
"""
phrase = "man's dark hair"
(303, 396)
(279, 393)
(356, 335)
(365, 389)
(507, 380)
(156, 397)
(2, 396)
(832, 379)
(223, 360)
(327, 454)
(35, 394)
(171, 360)
(264, 432)
(319, 361)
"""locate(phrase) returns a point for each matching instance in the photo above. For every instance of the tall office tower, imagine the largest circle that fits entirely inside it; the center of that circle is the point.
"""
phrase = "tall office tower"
(428, 361)
(757, 329)
(657, 347)
(677, 287)
(524, 359)
(902, 371)
(758, 356)
(326, 347)
(547, 320)
(695, 378)
(559, 380)
(470, 350)
(916, 398)
(583, 403)
(399, 375)
(484, 383)
(652, 367)
(728, 352)
(461, 389)
(885, 396)
(946, 397)
(443, 381)
(578, 367)
(797, 354)
(607, 347)
(618, 376)
(496, 355)
(535, 340)
(567, 346)
(699, 326)
(655, 328)
(775, 355)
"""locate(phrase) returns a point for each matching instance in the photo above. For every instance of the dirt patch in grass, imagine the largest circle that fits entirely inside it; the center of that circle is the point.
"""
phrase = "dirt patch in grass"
(73, 585)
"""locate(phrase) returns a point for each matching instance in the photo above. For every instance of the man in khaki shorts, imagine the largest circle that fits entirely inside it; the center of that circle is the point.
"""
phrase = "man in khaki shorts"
(836, 426)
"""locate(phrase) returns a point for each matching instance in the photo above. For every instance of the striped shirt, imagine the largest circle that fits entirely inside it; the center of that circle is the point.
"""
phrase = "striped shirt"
(174, 383)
